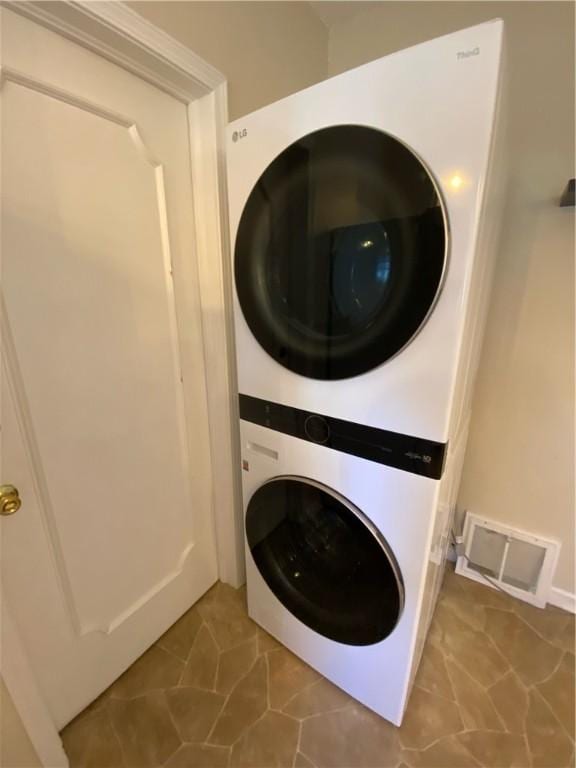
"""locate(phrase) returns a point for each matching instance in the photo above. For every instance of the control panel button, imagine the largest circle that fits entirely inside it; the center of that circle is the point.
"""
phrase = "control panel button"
(317, 429)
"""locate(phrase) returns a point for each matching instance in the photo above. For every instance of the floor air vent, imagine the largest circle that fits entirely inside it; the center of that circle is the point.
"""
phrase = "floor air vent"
(509, 559)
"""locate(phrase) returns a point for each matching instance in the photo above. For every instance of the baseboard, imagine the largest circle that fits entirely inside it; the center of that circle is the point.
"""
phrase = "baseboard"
(561, 598)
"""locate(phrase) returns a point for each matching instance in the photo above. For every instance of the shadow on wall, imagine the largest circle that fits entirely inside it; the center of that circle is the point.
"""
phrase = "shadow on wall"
(266, 50)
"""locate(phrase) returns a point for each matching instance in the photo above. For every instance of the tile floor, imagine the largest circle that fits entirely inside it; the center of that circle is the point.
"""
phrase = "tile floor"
(495, 689)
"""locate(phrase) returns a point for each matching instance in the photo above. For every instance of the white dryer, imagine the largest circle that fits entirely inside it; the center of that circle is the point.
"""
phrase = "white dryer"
(360, 224)
(362, 216)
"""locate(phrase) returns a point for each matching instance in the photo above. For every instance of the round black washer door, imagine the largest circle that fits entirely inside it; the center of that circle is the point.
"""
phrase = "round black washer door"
(340, 252)
(324, 561)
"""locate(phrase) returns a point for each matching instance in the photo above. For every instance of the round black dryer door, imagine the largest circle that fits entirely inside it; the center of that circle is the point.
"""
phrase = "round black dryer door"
(340, 252)
(324, 560)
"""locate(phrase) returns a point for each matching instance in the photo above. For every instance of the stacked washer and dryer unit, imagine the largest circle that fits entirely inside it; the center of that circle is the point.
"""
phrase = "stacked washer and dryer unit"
(363, 215)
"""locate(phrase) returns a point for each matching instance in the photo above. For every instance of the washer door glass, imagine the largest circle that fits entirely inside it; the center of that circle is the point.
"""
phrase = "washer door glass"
(340, 252)
(324, 561)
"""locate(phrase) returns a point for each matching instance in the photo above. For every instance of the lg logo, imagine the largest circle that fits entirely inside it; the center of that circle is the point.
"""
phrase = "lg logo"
(239, 135)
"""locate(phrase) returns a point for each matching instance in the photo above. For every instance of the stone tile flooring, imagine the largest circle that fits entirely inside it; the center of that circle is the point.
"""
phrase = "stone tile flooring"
(495, 689)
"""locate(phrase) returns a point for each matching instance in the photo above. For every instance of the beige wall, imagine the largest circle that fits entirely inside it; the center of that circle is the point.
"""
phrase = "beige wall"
(266, 49)
(520, 457)
(16, 750)
(519, 464)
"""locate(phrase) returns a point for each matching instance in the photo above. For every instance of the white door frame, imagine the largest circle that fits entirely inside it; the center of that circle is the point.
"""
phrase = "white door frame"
(122, 36)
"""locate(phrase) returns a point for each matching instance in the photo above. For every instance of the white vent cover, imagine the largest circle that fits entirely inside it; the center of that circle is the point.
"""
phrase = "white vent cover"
(515, 561)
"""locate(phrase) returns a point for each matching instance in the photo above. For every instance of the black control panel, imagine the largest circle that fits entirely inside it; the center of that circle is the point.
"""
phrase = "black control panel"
(411, 454)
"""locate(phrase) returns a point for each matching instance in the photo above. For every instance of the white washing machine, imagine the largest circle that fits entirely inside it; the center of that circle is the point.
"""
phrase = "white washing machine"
(361, 232)
(363, 215)
(341, 559)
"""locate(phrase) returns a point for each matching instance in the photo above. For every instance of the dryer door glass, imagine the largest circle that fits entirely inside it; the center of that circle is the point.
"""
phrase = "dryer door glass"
(324, 561)
(340, 252)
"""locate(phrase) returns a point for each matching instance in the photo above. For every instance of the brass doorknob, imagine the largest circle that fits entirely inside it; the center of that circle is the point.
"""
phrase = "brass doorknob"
(9, 500)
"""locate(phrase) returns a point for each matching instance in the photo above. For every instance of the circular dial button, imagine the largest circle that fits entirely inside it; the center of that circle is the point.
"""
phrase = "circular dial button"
(317, 429)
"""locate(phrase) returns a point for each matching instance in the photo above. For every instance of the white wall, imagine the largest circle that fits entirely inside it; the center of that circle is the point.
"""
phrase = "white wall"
(266, 49)
(520, 458)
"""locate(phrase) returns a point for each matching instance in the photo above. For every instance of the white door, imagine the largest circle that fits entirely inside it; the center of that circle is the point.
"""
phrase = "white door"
(104, 411)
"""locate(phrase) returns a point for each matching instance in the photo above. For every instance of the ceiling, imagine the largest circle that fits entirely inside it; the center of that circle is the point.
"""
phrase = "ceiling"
(335, 12)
